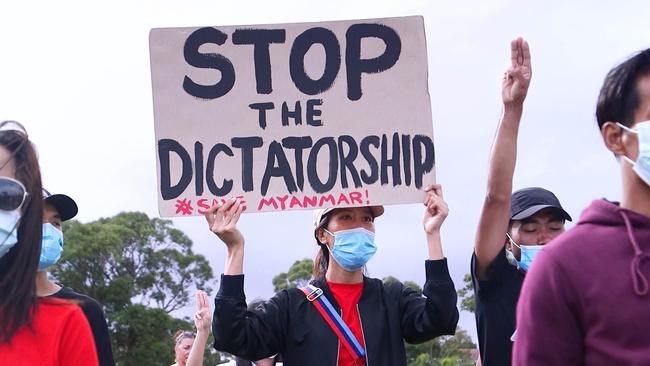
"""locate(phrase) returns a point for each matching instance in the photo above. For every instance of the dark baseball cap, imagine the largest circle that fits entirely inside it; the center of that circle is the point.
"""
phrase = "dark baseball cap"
(64, 205)
(528, 201)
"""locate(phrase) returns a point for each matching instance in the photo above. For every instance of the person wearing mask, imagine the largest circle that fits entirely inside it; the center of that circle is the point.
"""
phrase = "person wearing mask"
(587, 301)
(343, 317)
(57, 209)
(33, 330)
(189, 347)
(513, 227)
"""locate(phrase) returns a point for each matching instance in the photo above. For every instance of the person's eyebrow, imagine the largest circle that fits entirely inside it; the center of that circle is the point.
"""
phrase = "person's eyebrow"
(529, 220)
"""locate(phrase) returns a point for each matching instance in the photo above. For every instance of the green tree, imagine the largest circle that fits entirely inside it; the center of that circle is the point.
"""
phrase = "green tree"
(298, 275)
(140, 270)
(466, 294)
(447, 350)
(410, 284)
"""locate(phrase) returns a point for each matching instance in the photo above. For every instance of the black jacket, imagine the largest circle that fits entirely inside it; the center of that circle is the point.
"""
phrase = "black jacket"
(93, 311)
(290, 325)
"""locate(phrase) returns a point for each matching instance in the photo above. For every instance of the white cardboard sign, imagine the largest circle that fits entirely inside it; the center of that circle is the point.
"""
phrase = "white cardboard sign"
(292, 116)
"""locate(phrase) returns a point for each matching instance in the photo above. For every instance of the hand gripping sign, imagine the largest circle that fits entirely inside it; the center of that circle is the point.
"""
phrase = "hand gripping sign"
(292, 116)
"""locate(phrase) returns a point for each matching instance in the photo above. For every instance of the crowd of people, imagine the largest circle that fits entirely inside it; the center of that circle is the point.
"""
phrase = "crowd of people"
(544, 295)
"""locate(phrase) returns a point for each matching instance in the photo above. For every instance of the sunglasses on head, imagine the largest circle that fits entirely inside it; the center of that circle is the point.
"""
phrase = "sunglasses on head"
(13, 126)
(12, 194)
(184, 335)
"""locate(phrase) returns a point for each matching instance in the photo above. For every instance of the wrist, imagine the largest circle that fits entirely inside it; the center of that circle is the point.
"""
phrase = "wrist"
(202, 333)
(433, 236)
(236, 248)
(513, 107)
(434, 242)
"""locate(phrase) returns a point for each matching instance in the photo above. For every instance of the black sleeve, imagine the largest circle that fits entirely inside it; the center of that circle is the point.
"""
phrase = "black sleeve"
(494, 274)
(435, 314)
(252, 335)
(97, 321)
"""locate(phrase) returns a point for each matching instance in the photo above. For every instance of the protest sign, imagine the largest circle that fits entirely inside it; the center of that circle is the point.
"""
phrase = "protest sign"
(292, 116)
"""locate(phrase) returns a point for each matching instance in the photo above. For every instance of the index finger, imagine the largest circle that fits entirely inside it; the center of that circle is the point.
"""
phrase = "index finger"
(227, 205)
(209, 213)
(513, 51)
(438, 190)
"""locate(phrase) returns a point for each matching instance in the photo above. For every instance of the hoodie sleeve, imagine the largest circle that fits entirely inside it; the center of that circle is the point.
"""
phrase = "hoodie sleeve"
(548, 332)
(435, 314)
(252, 335)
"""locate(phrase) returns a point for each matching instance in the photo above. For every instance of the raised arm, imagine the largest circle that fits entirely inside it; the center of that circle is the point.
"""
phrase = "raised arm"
(203, 322)
(493, 223)
(435, 214)
(436, 313)
(222, 220)
(251, 335)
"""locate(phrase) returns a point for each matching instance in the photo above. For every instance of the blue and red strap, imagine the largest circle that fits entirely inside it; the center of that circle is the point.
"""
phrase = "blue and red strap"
(326, 310)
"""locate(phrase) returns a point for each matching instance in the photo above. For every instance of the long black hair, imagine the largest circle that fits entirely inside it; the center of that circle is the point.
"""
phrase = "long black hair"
(321, 262)
(18, 267)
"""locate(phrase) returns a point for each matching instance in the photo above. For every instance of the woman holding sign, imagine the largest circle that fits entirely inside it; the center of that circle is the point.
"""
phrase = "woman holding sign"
(342, 317)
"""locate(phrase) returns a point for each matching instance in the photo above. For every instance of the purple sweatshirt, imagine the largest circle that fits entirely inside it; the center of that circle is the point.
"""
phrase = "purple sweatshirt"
(586, 301)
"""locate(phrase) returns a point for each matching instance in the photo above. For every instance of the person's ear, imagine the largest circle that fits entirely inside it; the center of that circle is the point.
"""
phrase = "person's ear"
(321, 235)
(507, 243)
(613, 138)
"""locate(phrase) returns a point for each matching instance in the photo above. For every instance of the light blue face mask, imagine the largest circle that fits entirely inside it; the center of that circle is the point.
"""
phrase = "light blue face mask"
(52, 247)
(353, 248)
(8, 230)
(642, 163)
(528, 254)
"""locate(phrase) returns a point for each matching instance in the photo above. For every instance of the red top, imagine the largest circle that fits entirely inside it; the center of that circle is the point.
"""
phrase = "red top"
(347, 296)
(59, 335)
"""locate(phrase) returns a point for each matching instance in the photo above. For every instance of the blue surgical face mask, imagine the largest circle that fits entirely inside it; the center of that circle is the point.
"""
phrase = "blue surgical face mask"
(353, 248)
(8, 230)
(642, 164)
(528, 254)
(52, 247)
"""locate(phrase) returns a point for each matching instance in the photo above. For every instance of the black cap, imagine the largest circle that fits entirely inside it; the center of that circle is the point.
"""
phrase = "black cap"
(528, 201)
(65, 206)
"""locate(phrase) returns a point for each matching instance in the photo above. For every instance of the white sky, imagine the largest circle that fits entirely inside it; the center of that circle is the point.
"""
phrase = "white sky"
(76, 73)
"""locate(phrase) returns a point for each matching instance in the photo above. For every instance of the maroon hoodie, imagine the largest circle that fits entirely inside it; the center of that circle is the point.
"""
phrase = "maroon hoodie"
(586, 301)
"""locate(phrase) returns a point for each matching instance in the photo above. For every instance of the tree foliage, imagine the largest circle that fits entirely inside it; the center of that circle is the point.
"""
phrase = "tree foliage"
(466, 294)
(140, 270)
(442, 351)
(298, 275)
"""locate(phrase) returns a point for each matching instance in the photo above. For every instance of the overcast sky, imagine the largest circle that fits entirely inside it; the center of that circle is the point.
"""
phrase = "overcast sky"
(76, 73)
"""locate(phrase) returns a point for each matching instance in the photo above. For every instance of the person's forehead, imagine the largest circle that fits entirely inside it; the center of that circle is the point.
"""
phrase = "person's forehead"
(51, 209)
(544, 215)
(187, 342)
(342, 210)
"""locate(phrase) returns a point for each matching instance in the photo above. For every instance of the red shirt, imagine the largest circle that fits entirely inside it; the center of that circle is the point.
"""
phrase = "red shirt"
(347, 296)
(59, 335)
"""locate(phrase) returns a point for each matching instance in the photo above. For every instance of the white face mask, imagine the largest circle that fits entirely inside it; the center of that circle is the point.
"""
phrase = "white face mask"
(8, 230)
(642, 164)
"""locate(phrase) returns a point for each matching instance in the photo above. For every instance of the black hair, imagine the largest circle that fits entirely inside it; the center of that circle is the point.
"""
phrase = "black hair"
(321, 262)
(619, 97)
(18, 267)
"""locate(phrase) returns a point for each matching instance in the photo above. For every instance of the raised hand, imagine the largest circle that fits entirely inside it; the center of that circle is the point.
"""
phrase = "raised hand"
(222, 220)
(436, 209)
(517, 78)
(203, 316)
